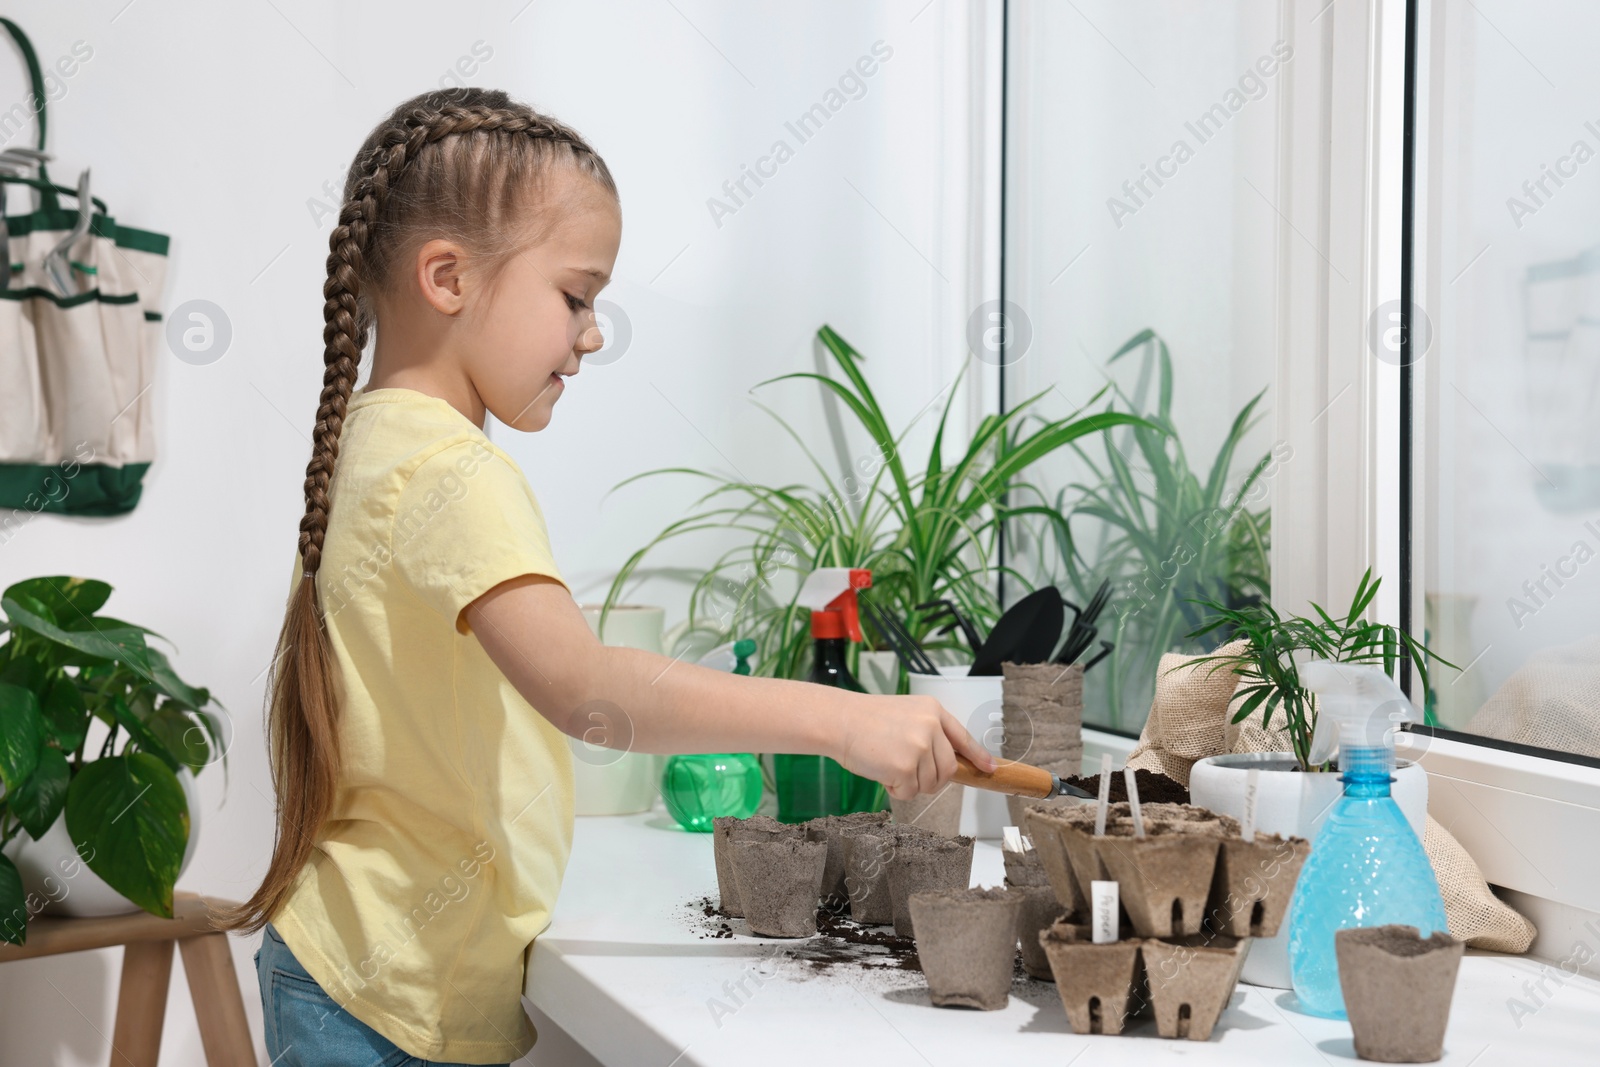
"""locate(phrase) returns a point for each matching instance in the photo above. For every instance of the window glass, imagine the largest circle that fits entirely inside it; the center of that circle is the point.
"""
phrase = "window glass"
(1141, 181)
(1508, 403)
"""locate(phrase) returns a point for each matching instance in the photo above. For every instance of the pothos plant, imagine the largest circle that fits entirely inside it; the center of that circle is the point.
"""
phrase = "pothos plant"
(64, 666)
(1269, 674)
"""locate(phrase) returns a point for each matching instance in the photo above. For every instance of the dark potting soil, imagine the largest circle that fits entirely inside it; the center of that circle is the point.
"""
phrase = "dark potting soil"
(872, 952)
(713, 925)
(839, 940)
(845, 933)
(1154, 788)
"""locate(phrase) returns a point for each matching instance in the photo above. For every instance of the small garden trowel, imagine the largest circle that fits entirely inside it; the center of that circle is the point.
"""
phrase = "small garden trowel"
(1017, 779)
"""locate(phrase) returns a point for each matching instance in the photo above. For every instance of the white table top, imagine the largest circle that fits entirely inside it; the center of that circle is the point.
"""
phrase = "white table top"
(626, 968)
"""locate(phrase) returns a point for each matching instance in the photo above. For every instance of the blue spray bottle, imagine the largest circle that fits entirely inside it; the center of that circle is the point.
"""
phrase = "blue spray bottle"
(1366, 867)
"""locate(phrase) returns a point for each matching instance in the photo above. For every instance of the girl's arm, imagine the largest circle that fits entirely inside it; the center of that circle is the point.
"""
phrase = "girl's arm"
(626, 698)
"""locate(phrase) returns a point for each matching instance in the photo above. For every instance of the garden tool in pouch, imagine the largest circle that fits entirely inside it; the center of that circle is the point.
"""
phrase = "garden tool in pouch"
(80, 332)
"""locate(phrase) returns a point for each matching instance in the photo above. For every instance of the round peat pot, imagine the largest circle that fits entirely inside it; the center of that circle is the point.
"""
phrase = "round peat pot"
(967, 944)
(1291, 803)
(726, 830)
(779, 882)
(939, 812)
(832, 829)
(866, 875)
(1397, 989)
(1023, 868)
(1038, 912)
(923, 862)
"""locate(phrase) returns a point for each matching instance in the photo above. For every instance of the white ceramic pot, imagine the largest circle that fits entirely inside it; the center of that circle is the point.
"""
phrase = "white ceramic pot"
(606, 782)
(878, 672)
(1295, 803)
(976, 702)
(53, 873)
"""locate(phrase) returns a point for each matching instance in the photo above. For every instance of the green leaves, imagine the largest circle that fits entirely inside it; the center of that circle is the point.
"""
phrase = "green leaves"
(181, 736)
(13, 904)
(925, 535)
(63, 597)
(22, 731)
(1267, 667)
(1164, 531)
(130, 817)
(38, 802)
(63, 665)
(65, 714)
(94, 645)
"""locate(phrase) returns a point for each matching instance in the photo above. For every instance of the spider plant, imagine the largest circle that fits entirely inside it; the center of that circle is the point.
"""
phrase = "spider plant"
(1269, 676)
(925, 534)
(1162, 531)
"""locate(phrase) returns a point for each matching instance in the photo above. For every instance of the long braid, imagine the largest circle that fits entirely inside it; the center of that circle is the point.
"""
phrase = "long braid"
(382, 210)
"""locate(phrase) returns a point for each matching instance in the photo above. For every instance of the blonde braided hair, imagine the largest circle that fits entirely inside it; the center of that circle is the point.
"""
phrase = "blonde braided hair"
(467, 164)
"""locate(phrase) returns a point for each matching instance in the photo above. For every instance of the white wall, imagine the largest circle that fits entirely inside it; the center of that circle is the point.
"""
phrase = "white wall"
(221, 124)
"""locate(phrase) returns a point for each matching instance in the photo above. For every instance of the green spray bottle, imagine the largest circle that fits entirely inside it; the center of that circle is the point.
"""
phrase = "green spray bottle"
(809, 786)
(701, 786)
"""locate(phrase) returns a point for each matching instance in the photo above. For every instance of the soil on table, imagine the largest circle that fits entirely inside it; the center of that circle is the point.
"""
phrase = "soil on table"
(1154, 788)
(846, 948)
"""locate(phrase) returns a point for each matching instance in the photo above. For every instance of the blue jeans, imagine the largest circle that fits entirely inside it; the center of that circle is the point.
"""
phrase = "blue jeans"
(307, 1028)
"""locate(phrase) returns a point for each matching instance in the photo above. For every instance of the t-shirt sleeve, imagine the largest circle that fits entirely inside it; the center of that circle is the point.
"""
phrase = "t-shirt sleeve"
(466, 521)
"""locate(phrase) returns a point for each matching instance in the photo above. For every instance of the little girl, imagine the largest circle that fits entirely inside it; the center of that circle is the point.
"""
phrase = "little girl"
(432, 663)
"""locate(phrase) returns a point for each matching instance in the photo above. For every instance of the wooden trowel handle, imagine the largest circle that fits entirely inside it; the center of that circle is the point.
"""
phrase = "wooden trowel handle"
(1017, 779)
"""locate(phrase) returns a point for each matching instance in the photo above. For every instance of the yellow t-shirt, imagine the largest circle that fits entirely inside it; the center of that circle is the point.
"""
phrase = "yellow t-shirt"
(453, 822)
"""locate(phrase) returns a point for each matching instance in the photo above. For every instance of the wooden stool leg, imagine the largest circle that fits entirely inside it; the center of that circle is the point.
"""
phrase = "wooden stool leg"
(218, 1007)
(141, 1003)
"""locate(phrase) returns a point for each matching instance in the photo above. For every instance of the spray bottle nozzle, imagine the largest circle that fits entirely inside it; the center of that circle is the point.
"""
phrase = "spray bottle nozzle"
(1358, 706)
(830, 592)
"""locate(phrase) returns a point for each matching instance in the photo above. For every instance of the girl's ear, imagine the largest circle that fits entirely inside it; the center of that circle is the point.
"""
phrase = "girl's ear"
(440, 274)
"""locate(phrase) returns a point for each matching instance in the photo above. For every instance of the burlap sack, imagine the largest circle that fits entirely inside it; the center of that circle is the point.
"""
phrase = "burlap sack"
(1193, 711)
(1476, 915)
(1549, 701)
(1187, 717)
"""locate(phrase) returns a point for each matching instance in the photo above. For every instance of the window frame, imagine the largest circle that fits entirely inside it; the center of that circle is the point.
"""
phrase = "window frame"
(1515, 808)
(1353, 188)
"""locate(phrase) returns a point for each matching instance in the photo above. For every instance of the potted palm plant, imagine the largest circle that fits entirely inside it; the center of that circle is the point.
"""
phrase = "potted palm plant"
(104, 825)
(1294, 795)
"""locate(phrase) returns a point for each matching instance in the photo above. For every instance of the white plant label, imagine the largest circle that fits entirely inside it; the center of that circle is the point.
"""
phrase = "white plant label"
(1133, 802)
(1252, 782)
(1104, 907)
(1105, 794)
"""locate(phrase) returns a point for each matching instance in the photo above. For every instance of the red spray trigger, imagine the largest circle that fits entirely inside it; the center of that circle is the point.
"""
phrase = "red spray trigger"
(830, 593)
(846, 603)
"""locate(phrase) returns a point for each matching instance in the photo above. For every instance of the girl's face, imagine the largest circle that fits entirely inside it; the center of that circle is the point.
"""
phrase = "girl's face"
(536, 321)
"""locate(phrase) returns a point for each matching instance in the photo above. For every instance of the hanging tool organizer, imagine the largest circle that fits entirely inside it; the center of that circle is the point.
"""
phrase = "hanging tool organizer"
(80, 329)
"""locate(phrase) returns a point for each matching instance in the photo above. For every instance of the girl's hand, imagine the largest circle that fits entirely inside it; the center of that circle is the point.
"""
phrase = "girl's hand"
(909, 743)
